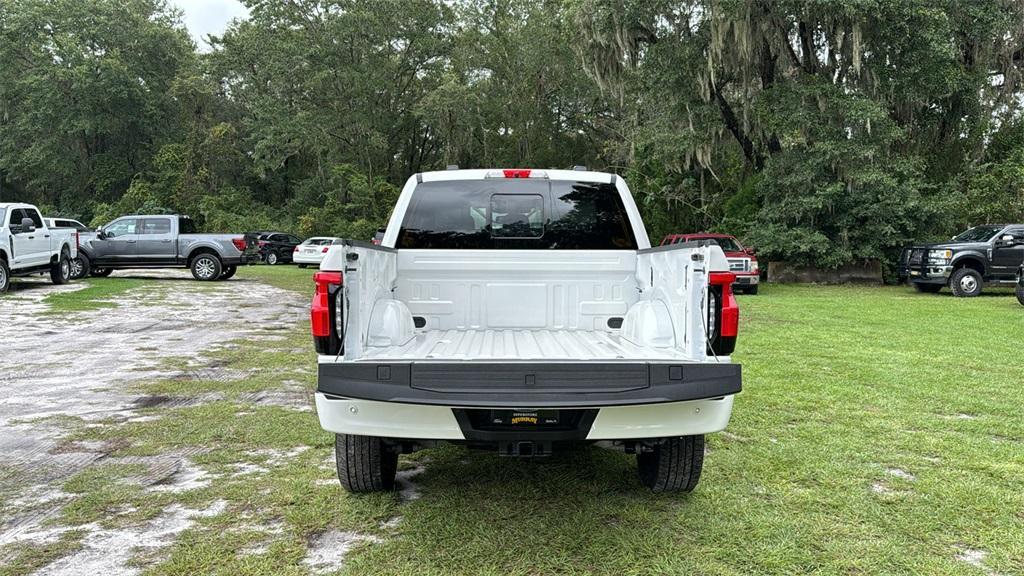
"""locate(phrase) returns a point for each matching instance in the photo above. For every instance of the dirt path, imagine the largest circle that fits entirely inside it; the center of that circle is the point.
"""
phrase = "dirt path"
(78, 365)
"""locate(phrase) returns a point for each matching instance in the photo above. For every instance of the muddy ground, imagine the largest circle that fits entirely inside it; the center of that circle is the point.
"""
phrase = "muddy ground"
(83, 367)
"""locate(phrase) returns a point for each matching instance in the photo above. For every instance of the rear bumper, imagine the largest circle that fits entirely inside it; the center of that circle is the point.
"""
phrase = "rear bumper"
(529, 385)
(300, 258)
(746, 279)
(426, 422)
(242, 259)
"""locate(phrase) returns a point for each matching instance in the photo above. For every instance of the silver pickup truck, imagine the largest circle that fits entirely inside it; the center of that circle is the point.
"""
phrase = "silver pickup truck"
(162, 241)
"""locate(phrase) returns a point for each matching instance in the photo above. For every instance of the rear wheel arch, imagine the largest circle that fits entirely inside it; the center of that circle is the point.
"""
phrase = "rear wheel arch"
(201, 250)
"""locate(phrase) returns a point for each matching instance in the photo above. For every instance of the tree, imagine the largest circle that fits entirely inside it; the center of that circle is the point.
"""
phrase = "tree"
(85, 94)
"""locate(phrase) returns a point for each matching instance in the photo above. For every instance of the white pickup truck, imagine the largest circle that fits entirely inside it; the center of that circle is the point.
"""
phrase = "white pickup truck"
(517, 311)
(28, 246)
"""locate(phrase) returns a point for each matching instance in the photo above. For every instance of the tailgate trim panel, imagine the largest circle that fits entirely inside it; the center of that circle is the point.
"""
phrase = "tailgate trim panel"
(534, 385)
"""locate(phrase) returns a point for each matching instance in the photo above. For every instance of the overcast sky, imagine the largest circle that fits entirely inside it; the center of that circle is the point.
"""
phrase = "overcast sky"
(204, 17)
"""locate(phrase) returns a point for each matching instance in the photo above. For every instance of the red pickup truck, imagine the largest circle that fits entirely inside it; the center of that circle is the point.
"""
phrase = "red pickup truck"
(742, 261)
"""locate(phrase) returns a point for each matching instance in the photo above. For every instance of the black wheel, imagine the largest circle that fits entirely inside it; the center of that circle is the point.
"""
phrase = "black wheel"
(965, 282)
(927, 288)
(752, 290)
(228, 272)
(101, 272)
(1020, 293)
(5, 276)
(60, 271)
(673, 466)
(206, 267)
(272, 258)
(364, 463)
(80, 266)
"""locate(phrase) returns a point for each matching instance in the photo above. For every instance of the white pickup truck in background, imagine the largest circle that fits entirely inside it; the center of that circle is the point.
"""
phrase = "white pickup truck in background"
(518, 311)
(28, 246)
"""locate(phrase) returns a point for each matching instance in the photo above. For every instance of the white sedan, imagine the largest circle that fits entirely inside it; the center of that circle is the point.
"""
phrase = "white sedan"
(312, 251)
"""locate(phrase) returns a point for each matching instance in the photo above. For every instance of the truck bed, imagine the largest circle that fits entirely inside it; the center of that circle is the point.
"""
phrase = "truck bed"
(519, 345)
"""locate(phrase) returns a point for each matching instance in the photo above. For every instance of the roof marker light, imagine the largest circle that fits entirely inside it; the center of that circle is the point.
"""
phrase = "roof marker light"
(517, 173)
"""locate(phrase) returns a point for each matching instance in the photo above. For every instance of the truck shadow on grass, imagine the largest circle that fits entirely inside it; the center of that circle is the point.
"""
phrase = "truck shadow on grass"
(578, 511)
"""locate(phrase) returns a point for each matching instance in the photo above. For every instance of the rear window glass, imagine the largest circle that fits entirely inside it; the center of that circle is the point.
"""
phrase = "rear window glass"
(186, 226)
(156, 226)
(516, 214)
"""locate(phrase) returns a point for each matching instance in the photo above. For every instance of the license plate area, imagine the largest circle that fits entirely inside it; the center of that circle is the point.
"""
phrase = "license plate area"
(530, 420)
(525, 423)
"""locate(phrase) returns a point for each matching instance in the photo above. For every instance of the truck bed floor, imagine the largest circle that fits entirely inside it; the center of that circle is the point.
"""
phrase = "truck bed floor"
(518, 345)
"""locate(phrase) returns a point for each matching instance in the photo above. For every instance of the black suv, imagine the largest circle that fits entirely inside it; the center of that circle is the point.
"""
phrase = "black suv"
(277, 247)
(984, 254)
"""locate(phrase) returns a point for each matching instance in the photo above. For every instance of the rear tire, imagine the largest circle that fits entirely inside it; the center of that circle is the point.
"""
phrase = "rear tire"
(965, 283)
(228, 272)
(206, 267)
(364, 463)
(674, 465)
(927, 288)
(80, 267)
(5, 276)
(60, 271)
(101, 272)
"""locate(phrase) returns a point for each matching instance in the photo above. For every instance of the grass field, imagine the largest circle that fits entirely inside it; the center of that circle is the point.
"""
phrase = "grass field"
(880, 431)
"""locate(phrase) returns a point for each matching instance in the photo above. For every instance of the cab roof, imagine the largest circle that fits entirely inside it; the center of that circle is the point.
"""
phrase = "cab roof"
(529, 173)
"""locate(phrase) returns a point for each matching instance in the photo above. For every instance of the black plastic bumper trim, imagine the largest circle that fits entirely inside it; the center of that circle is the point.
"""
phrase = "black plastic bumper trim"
(529, 385)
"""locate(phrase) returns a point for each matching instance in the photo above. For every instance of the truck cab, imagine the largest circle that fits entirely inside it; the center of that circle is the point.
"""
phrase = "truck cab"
(28, 246)
(520, 311)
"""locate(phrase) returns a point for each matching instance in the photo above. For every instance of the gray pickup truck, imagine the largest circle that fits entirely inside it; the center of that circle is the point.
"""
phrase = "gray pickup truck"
(163, 241)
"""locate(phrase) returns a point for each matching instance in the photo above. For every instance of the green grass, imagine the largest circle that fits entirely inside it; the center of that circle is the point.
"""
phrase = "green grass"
(99, 293)
(287, 277)
(21, 559)
(845, 390)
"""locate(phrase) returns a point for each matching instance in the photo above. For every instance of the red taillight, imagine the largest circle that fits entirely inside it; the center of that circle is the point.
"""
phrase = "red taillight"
(730, 320)
(326, 248)
(517, 173)
(320, 311)
(239, 243)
